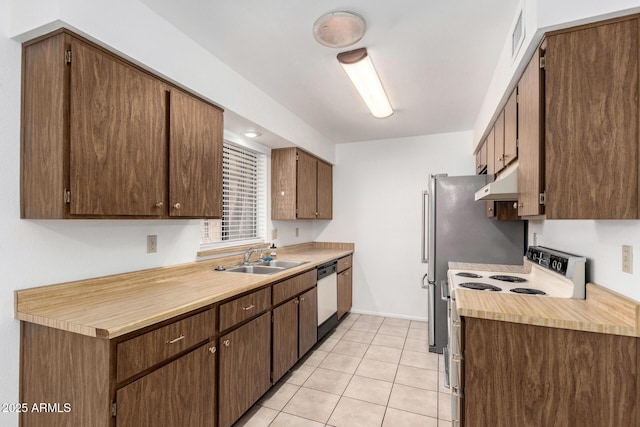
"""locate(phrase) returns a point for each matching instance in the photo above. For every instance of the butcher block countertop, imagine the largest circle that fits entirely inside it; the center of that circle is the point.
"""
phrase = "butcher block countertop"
(111, 306)
(603, 311)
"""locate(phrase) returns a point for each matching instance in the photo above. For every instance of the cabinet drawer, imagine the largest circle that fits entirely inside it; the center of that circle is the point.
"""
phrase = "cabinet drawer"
(144, 351)
(344, 263)
(294, 286)
(243, 308)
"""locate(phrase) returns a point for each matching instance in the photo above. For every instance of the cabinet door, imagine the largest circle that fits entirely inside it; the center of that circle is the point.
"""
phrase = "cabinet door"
(325, 190)
(481, 158)
(245, 368)
(491, 166)
(307, 184)
(308, 321)
(591, 92)
(498, 153)
(195, 178)
(118, 137)
(531, 150)
(344, 292)
(285, 338)
(179, 394)
(511, 129)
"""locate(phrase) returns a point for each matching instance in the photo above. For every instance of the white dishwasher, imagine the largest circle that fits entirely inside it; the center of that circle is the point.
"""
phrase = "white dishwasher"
(327, 298)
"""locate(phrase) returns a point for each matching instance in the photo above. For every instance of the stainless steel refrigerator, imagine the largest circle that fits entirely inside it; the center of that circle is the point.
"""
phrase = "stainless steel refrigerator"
(456, 228)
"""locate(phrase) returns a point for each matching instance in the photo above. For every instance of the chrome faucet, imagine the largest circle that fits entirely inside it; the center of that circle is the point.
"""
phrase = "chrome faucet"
(248, 253)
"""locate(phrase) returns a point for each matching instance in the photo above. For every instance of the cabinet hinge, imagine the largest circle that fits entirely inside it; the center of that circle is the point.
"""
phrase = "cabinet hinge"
(67, 56)
(541, 198)
(543, 62)
(67, 196)
(113, 409)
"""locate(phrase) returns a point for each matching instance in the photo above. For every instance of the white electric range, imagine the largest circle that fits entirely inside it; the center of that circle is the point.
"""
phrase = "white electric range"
(550, 274)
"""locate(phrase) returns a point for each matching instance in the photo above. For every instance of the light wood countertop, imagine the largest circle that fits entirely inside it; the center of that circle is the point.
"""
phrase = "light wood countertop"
(111, 306)
(603, 310)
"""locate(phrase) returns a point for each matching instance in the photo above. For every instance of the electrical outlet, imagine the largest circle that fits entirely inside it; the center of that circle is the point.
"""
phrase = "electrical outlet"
(627, 259)
(152, 244)
(274, 233)
(535, 239)
(297, 232)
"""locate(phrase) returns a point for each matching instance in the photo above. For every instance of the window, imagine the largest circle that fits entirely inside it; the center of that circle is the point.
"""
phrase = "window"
(243, 200)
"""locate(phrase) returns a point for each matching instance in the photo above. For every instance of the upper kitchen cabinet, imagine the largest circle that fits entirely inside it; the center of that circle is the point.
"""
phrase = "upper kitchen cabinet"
(301, 186)
(102, 138)
(510, 143)
(530, 137)
(481, 159)
(195, 167)
(591, 102)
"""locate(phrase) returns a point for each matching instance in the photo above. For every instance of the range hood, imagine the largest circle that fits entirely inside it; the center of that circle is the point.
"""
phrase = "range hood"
(505, 187)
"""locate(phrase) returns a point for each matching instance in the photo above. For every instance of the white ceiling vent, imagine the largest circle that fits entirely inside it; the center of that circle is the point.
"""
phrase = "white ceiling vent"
(517, 35)
(339, 29)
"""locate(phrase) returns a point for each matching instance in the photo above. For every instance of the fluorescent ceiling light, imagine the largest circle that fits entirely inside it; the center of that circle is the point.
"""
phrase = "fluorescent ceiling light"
(358, 66)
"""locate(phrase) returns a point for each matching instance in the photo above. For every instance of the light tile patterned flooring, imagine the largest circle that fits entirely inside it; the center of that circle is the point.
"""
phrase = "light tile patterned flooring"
(371, 371)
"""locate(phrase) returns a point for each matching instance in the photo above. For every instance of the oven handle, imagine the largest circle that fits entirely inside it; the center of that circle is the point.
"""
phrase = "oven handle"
(445, 351)
(444, 290)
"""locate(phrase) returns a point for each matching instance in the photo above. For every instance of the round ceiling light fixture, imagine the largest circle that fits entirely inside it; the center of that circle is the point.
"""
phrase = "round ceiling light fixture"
(339, 29)
(252, 134)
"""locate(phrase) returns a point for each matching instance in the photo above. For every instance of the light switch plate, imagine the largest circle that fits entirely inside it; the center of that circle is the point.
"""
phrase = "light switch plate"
(152, 244)
(627, 259)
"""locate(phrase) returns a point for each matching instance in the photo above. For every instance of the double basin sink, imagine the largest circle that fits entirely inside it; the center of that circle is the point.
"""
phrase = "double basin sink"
(266, 267)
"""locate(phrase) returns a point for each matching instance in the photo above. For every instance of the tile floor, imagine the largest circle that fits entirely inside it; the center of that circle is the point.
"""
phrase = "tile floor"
(371, 371)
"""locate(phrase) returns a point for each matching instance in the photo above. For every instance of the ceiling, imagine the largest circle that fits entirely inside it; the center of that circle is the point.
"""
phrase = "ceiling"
(435, 58)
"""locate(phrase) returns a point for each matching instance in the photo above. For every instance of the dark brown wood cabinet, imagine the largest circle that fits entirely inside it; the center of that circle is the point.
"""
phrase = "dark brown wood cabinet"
(307, 321)
(102, 138)
(524, 375)
(179, 394)
(162, 376)
(195, 153)
(345, 285)
(578, 124)
(592, 121)
(245, 367)
(295, 323)
(530, 137)
(285, 337)
(301, 186)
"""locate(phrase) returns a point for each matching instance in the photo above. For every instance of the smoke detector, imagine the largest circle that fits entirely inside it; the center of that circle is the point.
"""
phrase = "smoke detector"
(339, 29)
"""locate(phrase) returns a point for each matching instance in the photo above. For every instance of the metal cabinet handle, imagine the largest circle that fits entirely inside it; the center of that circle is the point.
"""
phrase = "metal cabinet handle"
(301, 298)
(248, 307)
(177, 206)
(159, 205)
(175, 340)
(226, 343)
(212, 349)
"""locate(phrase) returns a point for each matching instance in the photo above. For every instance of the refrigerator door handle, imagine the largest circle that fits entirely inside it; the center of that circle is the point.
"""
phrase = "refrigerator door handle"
(431, 224)
(425, 228)
(432, 314)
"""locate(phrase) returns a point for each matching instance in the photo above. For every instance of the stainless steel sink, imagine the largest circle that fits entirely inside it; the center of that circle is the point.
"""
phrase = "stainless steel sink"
(283, 263)
(266, 267)
(255, 269)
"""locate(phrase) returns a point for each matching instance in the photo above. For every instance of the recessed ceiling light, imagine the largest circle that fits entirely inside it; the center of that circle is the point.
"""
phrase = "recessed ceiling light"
(252, 134)
(339, 29)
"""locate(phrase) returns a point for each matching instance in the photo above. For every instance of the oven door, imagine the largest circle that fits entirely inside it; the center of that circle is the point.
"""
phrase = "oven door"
(455, 367)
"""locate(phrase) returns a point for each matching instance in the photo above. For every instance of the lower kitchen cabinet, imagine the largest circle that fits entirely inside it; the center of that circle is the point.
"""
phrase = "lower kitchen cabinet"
(295, 331)
(285, 337)
(345, 289)
(179, 394)
(524, 375)
(308, 321)
(245, 367)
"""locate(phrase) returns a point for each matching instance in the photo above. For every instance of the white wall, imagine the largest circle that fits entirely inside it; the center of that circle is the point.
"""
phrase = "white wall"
(377, 205)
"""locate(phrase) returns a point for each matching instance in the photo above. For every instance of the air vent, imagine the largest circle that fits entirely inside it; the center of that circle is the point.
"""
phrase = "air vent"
(517, 36)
